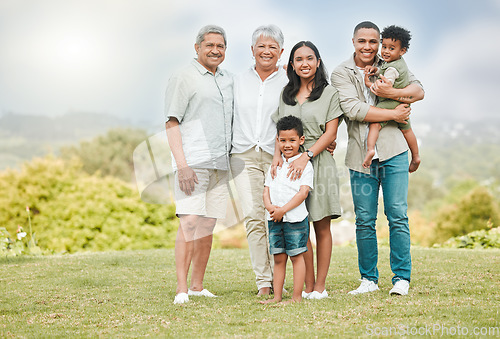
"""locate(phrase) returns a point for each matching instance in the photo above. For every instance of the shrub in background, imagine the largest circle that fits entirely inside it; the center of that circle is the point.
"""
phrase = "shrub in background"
(74, 211)
(476, 210)
(477, 239)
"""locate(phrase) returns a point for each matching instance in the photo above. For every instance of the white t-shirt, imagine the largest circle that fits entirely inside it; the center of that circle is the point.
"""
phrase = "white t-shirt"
(254, 102)
(282, 189)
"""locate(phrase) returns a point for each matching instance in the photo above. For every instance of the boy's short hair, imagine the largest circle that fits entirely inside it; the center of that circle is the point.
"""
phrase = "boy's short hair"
(366, 24)
(290, 122)
(397, 33)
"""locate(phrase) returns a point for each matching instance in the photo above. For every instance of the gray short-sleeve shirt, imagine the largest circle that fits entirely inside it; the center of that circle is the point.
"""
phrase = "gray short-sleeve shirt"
(203, 104)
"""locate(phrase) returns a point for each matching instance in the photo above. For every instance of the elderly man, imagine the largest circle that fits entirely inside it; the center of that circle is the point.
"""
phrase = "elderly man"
(389, 170)
(198, 111)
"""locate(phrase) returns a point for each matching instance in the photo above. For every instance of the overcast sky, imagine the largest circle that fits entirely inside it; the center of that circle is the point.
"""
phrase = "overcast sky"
(115, 56)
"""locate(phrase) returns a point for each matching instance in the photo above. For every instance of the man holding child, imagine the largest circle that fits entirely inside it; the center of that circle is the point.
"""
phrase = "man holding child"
(389, 168)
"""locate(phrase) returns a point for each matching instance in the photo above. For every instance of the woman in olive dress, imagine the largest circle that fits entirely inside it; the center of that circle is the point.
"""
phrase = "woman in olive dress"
(309, 97)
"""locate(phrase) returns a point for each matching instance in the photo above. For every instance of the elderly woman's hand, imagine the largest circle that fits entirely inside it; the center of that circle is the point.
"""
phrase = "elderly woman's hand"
(277, 162)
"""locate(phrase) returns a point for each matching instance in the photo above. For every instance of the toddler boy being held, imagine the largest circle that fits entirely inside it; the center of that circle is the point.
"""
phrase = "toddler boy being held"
(395, 43)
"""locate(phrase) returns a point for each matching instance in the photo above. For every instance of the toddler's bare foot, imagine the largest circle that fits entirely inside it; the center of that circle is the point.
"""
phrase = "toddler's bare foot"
(415, 162)
(270, 301)
(368, 158)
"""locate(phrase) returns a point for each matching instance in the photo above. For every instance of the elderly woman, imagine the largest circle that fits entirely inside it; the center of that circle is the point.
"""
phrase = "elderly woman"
(256, 96)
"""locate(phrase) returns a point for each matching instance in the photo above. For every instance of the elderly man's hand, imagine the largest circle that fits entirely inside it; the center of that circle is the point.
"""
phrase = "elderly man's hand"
(187, 179)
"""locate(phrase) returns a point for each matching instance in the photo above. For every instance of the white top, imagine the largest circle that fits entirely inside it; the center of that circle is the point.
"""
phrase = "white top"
(282, 189)
(203, 104)
(254, 102)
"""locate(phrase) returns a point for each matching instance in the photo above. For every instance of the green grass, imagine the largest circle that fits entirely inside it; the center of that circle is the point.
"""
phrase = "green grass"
(130, 294)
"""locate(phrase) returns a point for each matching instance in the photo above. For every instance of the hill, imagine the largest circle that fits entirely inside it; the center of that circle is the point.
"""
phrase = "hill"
(24, 136)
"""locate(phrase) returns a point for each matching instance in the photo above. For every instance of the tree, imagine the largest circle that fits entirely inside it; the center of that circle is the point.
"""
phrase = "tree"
(109, 154)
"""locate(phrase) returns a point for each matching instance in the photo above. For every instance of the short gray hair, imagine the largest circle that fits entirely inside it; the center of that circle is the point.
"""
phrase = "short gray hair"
(210, 29)
(269, 31)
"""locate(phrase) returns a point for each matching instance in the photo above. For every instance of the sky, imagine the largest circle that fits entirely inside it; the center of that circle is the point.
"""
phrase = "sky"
(116, 56)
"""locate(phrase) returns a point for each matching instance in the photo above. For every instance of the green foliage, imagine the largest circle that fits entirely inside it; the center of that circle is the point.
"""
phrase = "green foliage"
(109, 154)
(19, 246)
(73, 211)
(475, 210)
(477, 239)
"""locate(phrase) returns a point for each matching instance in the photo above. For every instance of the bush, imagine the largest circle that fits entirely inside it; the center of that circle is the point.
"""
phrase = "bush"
(73, 211)
(475, 211)
(477, 239)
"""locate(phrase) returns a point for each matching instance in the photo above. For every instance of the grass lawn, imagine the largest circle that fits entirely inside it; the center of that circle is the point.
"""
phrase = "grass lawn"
(130, 294)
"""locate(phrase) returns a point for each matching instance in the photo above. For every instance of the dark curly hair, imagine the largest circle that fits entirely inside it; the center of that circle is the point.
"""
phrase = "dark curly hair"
(366, 24)
(320, 80)
(397, 33)
(288, 123)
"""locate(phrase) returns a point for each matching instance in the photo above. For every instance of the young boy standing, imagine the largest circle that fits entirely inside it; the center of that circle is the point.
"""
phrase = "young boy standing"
(287, 214)
(395, 43)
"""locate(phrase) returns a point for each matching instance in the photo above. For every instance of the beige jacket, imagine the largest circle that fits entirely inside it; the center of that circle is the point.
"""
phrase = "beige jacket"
(350, 83)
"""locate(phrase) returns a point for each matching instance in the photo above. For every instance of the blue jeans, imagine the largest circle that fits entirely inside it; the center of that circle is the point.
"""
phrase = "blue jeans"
(392, 175)
(288, 237)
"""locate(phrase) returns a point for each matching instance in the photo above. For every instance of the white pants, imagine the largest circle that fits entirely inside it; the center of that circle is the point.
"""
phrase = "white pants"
(249, 170)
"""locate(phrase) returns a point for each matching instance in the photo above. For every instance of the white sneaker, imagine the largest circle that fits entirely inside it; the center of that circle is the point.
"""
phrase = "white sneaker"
(181, 298)
(305, 295)
(365, 286)
(316, 295)
(400, 287)
(202, 293)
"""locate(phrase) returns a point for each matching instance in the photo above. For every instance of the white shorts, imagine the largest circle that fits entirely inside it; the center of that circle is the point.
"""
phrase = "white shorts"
(209, 198)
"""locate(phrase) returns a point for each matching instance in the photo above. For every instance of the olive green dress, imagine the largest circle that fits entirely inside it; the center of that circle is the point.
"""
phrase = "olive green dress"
(323, 199)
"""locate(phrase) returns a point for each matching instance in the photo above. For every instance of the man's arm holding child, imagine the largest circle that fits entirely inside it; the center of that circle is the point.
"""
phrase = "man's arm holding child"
(408, 95)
